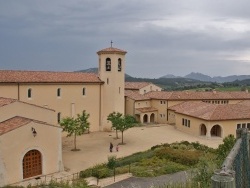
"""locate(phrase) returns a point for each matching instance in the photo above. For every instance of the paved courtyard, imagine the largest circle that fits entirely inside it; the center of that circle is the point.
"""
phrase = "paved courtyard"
(95, 146)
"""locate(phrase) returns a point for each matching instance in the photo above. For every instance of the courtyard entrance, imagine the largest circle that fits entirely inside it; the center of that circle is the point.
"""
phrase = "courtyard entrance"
(32, 164)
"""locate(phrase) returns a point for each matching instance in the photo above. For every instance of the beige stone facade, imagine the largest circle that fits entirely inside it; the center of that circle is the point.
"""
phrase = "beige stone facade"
(27, 129)
(161, 108)
(32, 103)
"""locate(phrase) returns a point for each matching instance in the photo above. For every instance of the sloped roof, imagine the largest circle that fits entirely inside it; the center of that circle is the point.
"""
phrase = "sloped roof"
(135, 95)
(147, 109)
(16, 122)
(208, 111)
(111, 50)
(13, 76)
(5, 101)
(136, 85)
(197, 95)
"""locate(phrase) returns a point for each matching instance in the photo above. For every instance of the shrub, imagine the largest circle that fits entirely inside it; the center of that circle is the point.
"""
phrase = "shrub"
(185, 157)
(111, 162)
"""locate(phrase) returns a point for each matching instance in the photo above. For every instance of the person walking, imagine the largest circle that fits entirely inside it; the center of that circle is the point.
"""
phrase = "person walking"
(110, 147)
(117, 147)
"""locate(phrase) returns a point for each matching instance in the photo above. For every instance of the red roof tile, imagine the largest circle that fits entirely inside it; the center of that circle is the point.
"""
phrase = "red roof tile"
(135, 95)
(16, 122)
(214, 112)
(136, 85)
(12, 76)
(6, 101)
(147, 109)
(194, 95)
(111, 50)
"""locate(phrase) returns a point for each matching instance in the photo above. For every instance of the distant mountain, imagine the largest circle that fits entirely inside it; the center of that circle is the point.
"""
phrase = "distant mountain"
(95, 70)
(170, 76)
(206, 78)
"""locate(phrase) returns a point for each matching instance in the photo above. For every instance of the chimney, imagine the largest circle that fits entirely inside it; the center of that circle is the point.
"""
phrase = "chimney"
(246, 90)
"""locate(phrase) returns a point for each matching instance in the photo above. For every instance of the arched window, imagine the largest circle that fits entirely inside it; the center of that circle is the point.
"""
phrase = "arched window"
(83, 91)
(108, 64)
(59, 92)
(29, 93)
(119, 65)
(58, 117)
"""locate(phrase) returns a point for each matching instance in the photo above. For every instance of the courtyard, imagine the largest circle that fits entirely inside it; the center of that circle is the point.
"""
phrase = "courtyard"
(94, 147)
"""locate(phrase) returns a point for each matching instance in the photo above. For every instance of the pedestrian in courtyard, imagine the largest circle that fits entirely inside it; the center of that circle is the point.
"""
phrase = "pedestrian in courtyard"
(111, 147)
(117, 147)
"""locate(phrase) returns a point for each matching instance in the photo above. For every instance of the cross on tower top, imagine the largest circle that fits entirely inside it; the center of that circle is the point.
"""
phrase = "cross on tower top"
(111, 43)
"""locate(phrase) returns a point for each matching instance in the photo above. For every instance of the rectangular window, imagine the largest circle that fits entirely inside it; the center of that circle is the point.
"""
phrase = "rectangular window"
(243, 125)
(59, 92)
(238, 126)
(185, 122)
(161, 102)
(84, 91)
(182, 121)
(188, 123)
(248, 126)
(29, 93)
(58, 117)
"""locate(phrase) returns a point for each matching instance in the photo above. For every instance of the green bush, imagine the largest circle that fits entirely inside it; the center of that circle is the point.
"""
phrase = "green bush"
(111, 162)
(185, 157)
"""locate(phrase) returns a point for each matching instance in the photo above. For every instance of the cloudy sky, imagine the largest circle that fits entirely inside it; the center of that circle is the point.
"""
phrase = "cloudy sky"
(161, 36)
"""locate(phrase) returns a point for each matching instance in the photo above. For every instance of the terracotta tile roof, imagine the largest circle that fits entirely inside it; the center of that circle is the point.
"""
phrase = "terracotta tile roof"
(136, 85)
(111, 50)
(158, 94)
(245, 102)
(135, 95)
(12, 76)
(147, 109)
(194, 95)
(16, 122)
(213, 112)
(6, 101)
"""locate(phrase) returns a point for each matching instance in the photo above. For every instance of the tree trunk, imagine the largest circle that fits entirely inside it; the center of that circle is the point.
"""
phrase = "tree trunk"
(116, 133)
(75, 141)
(122, 137)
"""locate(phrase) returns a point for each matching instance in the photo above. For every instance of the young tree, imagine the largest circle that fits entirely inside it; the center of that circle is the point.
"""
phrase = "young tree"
(115, 118)
(127, 122)
(75, 126)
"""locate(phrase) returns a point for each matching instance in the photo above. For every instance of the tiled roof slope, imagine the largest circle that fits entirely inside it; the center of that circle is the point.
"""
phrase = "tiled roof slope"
(12, 76)
(16, 122)
(147, 109)
(245, 102)
(111, 50)
(136, 85)
(214, 112)
(6, 101)
(135, 95)
(193, 95)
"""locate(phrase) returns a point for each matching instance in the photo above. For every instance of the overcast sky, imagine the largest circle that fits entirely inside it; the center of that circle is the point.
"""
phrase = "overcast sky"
(161, 36)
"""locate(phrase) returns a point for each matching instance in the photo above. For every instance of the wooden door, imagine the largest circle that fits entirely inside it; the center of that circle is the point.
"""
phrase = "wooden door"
(32, 164)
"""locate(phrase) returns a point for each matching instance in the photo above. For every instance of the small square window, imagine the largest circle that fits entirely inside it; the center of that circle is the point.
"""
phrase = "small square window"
(243, 125)
(238, 126)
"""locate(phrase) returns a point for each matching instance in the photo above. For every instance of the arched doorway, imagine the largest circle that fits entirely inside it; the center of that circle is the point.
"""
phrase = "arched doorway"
(32, 164)
(145, 118)
(203, 130)
(216, 131)
(152, 118)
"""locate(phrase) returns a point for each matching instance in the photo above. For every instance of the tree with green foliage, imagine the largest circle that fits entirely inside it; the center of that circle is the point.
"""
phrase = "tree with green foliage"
(127, 122)
(121, 122)
(115, 118)
(75, 126)
(224, 149)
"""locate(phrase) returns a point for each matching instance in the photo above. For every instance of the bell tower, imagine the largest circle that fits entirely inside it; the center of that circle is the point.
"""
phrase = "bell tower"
(112, 73)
